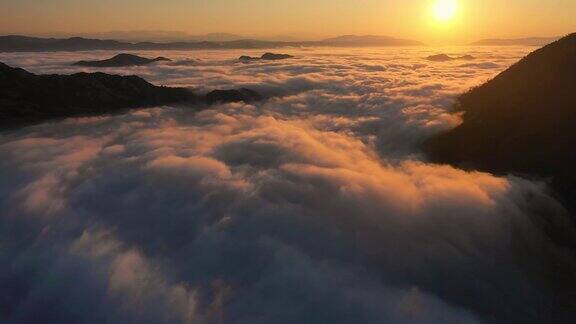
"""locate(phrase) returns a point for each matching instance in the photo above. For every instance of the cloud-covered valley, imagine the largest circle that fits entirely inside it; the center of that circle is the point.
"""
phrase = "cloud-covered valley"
(314, 206)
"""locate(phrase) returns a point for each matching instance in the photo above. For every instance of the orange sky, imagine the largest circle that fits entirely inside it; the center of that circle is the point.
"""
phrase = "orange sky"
(302, 18)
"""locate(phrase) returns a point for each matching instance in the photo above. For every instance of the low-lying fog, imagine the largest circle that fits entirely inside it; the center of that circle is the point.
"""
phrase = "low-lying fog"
(314, 206)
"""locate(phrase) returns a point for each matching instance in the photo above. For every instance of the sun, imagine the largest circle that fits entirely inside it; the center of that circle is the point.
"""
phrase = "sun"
(445, 10)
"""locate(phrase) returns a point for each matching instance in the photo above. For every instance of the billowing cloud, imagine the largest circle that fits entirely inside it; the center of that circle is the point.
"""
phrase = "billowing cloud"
(313, 206)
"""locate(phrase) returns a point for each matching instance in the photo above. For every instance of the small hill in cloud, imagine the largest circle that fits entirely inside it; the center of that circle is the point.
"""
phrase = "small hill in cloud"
(266, 57)
(448, 58)
(121, 60)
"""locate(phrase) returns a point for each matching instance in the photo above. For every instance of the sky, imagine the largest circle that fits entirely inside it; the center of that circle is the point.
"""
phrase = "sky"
(306, 19)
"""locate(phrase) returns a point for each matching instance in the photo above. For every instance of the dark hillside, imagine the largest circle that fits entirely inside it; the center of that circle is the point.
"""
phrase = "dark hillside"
(523, 121)
(27, 98)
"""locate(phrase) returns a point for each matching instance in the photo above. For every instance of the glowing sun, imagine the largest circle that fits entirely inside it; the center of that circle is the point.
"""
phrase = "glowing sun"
(445, 10)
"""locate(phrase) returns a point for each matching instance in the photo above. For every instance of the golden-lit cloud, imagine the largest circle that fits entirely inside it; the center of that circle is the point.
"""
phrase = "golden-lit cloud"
(315, 205)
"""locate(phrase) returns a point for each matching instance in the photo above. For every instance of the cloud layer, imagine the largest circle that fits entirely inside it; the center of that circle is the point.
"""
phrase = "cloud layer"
(314, 206)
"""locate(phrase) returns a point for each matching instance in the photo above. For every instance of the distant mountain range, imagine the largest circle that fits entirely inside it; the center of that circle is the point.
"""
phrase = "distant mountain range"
(14, 43)
(530, 41)
(161, 36)
(369, 40)
(159, 40)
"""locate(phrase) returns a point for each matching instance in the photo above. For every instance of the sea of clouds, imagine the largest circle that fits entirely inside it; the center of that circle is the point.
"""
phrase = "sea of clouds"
(313, 206)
